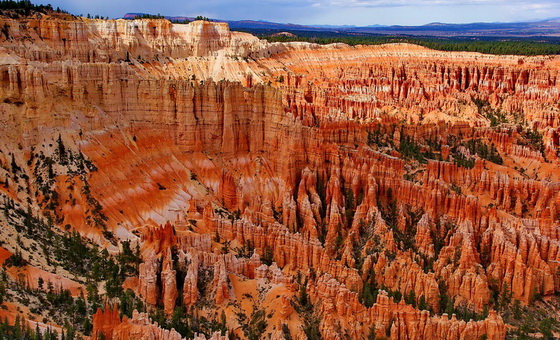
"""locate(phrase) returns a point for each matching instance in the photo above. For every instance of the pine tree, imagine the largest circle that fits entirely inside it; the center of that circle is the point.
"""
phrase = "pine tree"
(17, 328)
(61, 150)
(38, 335)
(2, 291)
(303, 298)
(14, 165)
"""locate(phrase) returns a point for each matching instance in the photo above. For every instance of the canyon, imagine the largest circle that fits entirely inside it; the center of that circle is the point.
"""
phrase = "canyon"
(248, 189)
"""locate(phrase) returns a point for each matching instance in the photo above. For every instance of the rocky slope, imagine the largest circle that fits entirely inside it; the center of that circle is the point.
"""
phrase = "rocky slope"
(275, 190)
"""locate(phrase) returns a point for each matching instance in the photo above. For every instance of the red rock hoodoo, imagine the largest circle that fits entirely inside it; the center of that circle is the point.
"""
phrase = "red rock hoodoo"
(286, 189)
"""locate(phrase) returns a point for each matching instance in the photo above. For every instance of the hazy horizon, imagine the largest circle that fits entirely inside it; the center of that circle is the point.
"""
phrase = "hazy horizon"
(328, 12)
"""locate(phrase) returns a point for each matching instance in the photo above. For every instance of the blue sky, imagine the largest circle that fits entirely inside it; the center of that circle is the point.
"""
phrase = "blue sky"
(334, 12)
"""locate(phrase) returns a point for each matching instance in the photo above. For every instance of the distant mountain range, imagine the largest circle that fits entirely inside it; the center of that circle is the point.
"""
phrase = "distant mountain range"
(548, 28)
(246, 24)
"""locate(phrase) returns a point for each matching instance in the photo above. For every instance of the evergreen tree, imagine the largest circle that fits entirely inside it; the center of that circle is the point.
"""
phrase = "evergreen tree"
(61, 151)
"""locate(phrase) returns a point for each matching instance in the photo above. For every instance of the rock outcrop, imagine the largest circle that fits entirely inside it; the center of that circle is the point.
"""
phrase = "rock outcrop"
(108, 325)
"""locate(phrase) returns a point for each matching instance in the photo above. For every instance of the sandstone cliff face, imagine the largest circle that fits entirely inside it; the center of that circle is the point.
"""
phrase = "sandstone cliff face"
(244, 168)
(100, 41)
